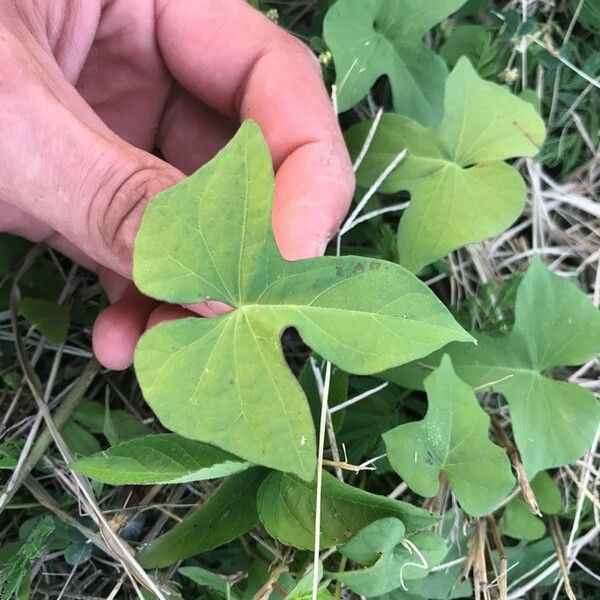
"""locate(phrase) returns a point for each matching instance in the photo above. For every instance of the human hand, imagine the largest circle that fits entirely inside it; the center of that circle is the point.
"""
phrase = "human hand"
(89, 89)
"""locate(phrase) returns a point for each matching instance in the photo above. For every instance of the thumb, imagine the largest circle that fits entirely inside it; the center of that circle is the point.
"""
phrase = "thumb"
(60, 164)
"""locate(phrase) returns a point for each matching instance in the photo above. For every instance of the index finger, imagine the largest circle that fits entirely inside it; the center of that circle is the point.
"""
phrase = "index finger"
(238, 62)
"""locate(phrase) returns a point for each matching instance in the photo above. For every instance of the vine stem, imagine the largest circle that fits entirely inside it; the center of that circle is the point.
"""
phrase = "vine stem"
(322, 427)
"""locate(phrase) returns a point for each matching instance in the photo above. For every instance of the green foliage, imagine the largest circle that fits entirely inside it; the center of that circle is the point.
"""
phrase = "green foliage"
(303, 589)
(12, 249)
(224, 381)
(371, 38)
(553, 421)
(547, 493)
(286, 506)
(163, 458)
(590, 13)
(228, 513)
(204, 578)
(50, 319)
(390, 557)
(477, 43)
(518, 522)
(15, 572)
(119, 424)
(9, 453)
(461, 189)
(79, 440)
(452, 440)
(366, 421)
(78, 553)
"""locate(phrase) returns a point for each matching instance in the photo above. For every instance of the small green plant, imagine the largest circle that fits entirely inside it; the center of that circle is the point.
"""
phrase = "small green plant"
(555, 325)
(462, 191)
(377, 37)
(451, 440)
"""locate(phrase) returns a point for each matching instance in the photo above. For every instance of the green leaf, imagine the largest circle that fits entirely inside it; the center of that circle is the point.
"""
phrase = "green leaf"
(92, 415)
(303, 588)
(50, 319)
(553, 422)
(518, 522)
(525, 560)
(224, 381)
(371, 38)
(228, 513)
(390, 560)
(475, 42)
(286, 506)
(366, 421)
(547, 493)
(162, 458)
(452, 439)
(80, 441)
(10, 450)
(471, 8)
(204, 578)
(461, 189)
(78, 552)
(12, 249)
(589, 15)
(258, 574)
(16, 569)
(109, 429)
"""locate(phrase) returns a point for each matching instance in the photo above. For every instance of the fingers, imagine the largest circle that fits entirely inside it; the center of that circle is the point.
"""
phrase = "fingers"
(70, 171)
(191, 133)
(313, 190)
(167, 312)
(274, 79)
(119, 327)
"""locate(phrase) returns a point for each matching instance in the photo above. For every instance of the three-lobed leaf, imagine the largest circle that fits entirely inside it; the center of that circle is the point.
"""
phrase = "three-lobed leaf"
(371, 38)
(161, 458)
(461, 189)
(553, 422)
(390, 560)
(452, 440)
(286, 506)
(225, 381)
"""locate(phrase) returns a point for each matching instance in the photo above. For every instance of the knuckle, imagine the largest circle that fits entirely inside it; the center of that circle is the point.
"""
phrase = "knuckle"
(116, 210)
(300, 51)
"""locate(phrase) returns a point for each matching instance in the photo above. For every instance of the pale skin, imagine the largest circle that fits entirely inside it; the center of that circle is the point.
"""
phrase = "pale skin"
(88, 88)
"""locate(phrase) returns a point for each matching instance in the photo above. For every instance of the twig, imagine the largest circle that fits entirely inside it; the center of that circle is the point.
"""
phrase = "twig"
(371, 192)
(522, 478)
(559, 545)
(502, 582)
(319, 490)
(358, 398)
